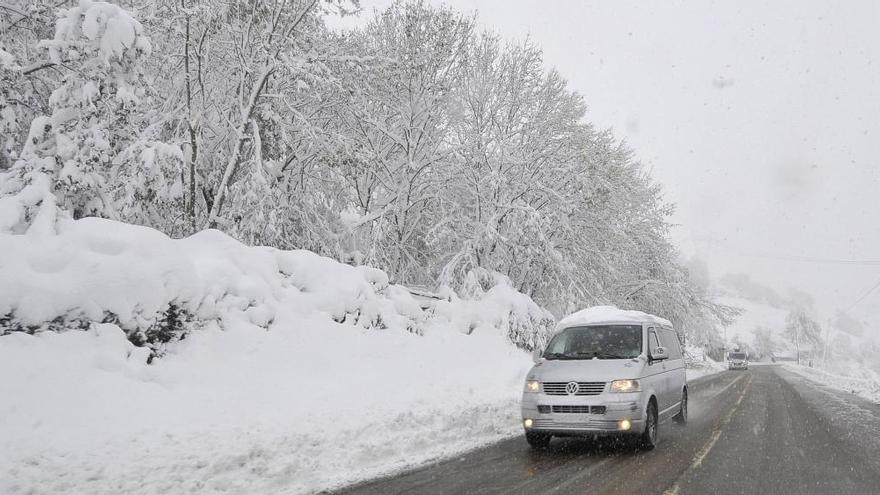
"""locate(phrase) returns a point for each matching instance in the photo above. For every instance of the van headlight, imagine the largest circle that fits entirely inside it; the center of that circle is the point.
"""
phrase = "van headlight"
(624, 386)
(533, 386)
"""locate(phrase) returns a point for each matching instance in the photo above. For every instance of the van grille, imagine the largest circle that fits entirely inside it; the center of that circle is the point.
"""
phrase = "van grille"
(576, 409)
(591, 425)
(584, 388)
(572, 409)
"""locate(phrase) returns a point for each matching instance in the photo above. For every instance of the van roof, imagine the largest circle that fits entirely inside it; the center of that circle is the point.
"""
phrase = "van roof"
(609, 314)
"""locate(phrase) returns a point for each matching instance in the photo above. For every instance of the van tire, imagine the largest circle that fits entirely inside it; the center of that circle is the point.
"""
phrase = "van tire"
(538, 440)
(648, 440)
(682, 416)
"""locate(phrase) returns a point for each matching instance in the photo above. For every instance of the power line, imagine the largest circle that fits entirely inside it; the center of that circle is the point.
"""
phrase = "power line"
(808, 259)
(863, 296)
(725, 245)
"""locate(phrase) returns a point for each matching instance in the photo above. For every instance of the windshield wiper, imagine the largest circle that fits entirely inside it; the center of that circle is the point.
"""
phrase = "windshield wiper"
(583, 355)
(577, 355)
(567, 355)
(555, 355)
(608, 355)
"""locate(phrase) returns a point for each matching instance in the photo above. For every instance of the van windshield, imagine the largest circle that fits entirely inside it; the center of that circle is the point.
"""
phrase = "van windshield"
(596, 342)
(737, 355)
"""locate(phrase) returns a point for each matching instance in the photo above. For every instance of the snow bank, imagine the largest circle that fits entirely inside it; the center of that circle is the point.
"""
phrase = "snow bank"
(867, 385)
(699, 364)
(608, 314)
(298, 373)
(97, 270)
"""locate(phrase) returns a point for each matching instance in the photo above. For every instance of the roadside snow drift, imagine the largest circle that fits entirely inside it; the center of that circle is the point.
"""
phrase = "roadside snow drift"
(866, 384)
(295, 373)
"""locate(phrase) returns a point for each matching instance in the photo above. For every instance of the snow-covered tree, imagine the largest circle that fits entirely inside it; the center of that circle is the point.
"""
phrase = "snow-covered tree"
(246, 87)
(416, 144)
(102, 48)
(395, 156)
(516, 135)
(94, 151)
(25, 79)
(802, 331)
(765, 345)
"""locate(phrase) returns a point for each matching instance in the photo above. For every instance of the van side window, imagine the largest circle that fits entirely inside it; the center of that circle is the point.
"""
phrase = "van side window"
(653, 343)
(672, 343)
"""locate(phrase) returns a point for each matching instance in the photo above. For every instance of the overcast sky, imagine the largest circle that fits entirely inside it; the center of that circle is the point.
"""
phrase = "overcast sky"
(760, 119)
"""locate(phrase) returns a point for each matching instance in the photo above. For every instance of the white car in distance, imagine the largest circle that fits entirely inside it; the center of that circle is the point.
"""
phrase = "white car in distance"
(737, 361)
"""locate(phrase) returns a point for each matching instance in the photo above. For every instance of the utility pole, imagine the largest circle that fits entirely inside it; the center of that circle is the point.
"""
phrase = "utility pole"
(827, 343)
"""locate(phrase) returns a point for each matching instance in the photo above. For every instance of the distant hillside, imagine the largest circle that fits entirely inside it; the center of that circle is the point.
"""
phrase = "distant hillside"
(853, 348)
(755, 316)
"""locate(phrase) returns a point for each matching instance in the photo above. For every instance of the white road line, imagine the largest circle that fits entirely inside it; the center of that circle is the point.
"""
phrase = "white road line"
(581, 475)
(716, 434)
(724, 388)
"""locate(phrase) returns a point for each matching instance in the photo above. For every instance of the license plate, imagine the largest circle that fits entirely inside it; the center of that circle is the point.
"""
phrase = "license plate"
(572, 418)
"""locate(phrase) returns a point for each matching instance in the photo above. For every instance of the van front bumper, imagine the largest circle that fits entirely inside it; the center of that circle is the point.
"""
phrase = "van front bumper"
(620, 414)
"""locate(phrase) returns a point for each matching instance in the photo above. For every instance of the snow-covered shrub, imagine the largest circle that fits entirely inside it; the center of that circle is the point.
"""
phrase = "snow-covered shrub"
(170, 326)
(488, 301)
(146, 183)
(151, 332)
(157, 289)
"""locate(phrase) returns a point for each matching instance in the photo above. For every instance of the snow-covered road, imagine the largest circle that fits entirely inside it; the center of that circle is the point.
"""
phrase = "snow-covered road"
(765, 430)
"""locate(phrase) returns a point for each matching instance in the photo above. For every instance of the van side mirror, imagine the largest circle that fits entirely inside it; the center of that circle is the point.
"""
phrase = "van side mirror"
(659, 354)
(537, 352)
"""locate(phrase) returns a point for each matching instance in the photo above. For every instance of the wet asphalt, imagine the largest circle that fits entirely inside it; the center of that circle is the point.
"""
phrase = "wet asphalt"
(764, 430)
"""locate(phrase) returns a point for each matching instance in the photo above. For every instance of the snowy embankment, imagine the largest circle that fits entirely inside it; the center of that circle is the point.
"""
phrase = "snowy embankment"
(699, 364)
(295, 373)
(866, 386)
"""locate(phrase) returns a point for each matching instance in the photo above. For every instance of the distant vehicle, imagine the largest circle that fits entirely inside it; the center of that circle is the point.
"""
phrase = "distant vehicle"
(606, 372)
(737, 361)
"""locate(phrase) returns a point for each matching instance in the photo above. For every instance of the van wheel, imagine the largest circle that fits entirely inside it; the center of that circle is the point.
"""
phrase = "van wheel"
(648, 440)
(682, 416)
(538, 440)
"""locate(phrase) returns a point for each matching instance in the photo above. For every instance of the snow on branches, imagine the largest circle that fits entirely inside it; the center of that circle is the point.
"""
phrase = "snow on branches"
(92, 148)
(417, 144)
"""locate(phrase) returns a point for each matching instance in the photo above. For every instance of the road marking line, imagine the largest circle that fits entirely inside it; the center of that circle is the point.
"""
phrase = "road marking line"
(716, 434)
(724, 388)
(578, 477)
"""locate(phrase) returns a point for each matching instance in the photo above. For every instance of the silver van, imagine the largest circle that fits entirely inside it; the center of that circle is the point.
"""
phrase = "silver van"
(606, 371)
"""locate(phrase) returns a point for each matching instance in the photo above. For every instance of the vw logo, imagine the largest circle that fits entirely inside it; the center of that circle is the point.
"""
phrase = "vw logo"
(571, 388)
